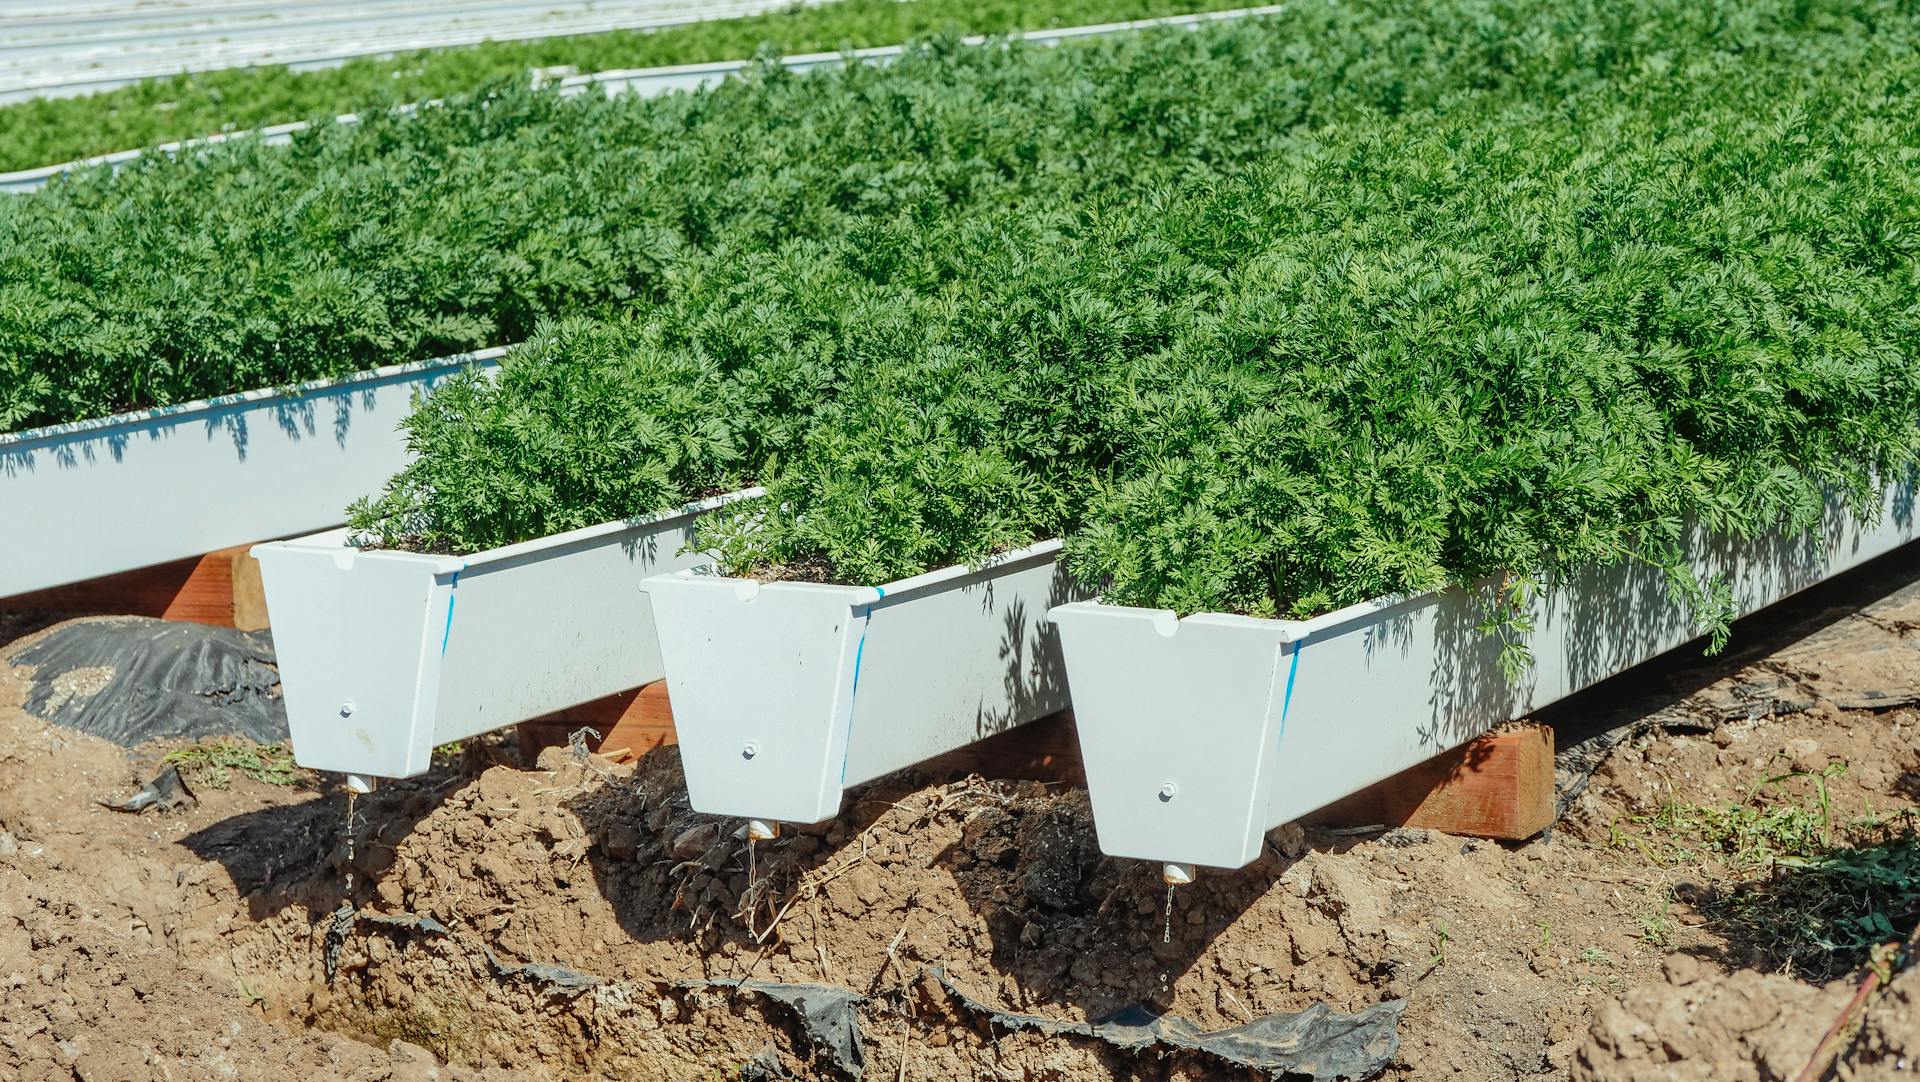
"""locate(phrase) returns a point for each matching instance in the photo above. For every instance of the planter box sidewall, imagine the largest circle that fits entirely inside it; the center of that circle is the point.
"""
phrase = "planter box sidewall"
(386, 655)
(1277, 718)
(99, 497)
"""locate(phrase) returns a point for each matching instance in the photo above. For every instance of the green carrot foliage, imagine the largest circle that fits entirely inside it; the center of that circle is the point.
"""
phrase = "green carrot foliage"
(1499, 335)
(408, 237)
(48, 130)
(1265, 318)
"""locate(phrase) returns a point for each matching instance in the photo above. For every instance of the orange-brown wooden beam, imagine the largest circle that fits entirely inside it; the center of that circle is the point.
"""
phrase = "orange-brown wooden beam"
(221, 588)
(1497, 786)
(630, 724)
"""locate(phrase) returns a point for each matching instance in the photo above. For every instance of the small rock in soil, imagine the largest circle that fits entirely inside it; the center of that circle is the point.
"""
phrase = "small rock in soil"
(695, 841)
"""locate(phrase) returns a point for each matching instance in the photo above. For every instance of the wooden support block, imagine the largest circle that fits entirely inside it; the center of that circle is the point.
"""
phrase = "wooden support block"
(630, 724)
(1046, 749)
(1497, 786)
(221, 588)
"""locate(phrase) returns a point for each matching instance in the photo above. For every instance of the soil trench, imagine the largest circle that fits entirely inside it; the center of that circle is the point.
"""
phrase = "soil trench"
(572, 918)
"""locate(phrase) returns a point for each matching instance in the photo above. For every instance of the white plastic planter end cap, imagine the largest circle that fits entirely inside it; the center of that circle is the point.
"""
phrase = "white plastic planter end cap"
(786, 693)
(1186, 764)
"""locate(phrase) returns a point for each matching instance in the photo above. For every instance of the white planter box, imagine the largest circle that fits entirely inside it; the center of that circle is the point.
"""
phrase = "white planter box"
(786, 693)
(93, 498)
(1201, 734)
(385, 655)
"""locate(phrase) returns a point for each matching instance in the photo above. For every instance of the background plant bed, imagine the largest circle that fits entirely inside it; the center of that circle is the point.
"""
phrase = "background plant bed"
(1277, 718)
(785, 693)
(644, 82)
(385, 655)
(98, 497)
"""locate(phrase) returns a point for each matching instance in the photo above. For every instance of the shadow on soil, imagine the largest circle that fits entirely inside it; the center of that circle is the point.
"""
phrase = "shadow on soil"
(1684, 671)
(1078, 932)
(294, 854)
(1072, 927)
(1820, 916)
(1827, 892)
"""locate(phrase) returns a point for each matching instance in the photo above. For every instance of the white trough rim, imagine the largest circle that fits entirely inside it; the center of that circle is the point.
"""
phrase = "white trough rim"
(176, 482)
(1168, 622)
(29, 439)
(859, 594)
(338, 538)
(623, 79)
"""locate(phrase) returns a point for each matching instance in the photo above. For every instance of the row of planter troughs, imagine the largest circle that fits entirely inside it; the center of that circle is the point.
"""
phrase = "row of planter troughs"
(643, 82)
(1198, 734)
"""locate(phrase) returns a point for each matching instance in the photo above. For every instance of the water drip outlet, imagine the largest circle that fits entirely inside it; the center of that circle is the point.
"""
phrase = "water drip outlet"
(358, 784)
(1168, 791)
(1177, 875)
(752, 749)
(347, 708)
(761, 831)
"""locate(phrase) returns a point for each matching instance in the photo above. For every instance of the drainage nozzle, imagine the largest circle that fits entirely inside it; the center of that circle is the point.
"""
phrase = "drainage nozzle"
(358, 784)
(761, 831)
(1176, 875)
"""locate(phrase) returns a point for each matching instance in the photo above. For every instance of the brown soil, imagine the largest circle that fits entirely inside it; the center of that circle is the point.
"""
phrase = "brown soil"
(1737, 1027)
(108, 929)
(561, 919)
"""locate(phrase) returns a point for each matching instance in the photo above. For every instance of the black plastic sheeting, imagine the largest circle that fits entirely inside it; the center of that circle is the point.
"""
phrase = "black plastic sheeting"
(765, 1067)
(167, 792)
(830, 1016)
(133, 679)
(1317, 1043)
(341, 924)
(557, 980)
